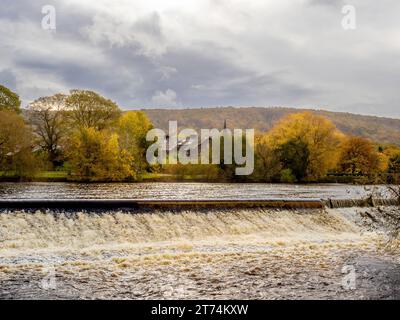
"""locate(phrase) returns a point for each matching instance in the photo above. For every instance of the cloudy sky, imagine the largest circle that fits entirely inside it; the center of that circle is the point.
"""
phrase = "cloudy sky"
(201, 53)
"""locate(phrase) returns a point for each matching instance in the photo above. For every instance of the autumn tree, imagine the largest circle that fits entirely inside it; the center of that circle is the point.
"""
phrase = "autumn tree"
(96, 156)
(46, 115)
(9, 101)
(16, 146)
(87, 109)
(267, 165)
(132, 130)
(358, 157)
(394, 164)
(317, 133)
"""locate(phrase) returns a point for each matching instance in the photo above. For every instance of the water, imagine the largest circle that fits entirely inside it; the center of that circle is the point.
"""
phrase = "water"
(234, 253)
(184, 191)
(190, 254)
(25, 231)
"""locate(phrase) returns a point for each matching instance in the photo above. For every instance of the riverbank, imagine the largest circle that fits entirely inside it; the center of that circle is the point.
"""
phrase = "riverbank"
(63, 176)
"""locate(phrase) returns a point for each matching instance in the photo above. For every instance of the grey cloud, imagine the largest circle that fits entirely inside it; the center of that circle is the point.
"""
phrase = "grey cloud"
(205, 60)
(150, 25)
(20, 9)
(8, 79)
(328, 3)
(205, 78)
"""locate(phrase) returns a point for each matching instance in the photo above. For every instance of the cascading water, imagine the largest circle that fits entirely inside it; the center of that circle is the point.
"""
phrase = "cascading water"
(196, 253)
(366, 202)
(21, 230)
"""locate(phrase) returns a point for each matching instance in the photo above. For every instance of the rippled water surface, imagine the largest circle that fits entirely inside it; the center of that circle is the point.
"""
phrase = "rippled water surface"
(219, 253)
(224, 254)
(182, 191)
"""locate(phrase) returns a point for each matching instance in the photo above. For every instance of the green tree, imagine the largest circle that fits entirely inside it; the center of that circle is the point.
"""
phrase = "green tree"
(9, 100)
(96, 156)
(87, 109)
(287, 176)
(294, 155)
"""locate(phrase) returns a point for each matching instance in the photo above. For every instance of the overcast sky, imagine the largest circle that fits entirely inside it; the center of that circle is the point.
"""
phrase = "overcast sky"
(201, 53)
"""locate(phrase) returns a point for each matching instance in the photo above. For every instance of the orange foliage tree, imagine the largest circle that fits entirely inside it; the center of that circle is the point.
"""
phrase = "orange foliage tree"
(359, 157)
(317, 133)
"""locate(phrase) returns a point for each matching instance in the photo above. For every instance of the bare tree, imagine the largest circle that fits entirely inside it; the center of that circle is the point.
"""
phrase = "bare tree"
(46, 116)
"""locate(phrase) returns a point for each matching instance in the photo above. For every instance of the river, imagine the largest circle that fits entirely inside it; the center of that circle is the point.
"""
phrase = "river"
(219, 253)
(182, 191)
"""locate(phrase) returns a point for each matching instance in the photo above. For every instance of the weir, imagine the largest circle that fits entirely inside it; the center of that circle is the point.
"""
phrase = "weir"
(28, 233)
(147, 203)
(368, 202)
(113, 228)
(212, 203)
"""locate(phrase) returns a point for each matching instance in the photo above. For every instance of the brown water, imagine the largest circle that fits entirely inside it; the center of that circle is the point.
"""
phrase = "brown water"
(218, 254)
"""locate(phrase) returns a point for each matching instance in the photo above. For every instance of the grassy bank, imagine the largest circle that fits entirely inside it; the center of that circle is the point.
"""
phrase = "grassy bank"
(63, 176)
(45, 176)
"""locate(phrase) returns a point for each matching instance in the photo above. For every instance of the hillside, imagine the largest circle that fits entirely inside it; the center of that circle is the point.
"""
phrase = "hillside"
(384, 130)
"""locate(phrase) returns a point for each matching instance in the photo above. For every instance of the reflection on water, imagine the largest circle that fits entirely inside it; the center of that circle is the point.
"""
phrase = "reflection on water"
(183, 191)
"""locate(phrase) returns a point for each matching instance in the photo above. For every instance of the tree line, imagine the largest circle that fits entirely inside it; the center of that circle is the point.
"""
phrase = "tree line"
(306, 147)
(82, 133)
(91, 139)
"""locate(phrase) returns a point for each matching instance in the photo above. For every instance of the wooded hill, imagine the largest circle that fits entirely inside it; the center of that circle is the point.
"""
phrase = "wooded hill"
(383, 130)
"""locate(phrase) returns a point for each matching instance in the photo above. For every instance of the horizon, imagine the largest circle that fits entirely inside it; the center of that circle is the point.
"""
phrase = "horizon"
(300, 109)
